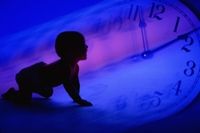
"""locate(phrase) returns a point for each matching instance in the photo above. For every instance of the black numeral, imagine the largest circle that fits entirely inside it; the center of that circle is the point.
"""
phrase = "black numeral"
(152, 101)
(130, 12)
(135, 15)
(190, 71)
(190, 41)
(177, 88)
(177, 24)
(156, 11)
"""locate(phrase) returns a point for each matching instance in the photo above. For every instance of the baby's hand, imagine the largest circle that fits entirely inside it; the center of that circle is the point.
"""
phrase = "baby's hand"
(83, 102)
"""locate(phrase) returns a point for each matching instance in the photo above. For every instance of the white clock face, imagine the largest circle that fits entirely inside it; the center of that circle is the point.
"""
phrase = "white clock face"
(144, 89)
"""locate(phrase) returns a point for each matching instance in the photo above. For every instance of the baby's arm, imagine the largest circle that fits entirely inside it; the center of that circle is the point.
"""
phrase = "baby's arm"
(73, 87)
(74, 94)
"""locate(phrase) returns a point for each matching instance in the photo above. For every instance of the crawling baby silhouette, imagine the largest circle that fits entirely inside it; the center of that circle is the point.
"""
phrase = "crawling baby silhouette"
(40, 78)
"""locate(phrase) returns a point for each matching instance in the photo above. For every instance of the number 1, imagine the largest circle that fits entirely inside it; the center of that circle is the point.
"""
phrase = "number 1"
(177, 24)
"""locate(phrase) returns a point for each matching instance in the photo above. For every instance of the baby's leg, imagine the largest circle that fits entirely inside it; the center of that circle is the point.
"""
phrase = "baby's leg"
(45, 92)
(11, 94)
(16, 96)
(24, 93)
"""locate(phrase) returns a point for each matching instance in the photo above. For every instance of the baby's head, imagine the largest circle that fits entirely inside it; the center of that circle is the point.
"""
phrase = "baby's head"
(71, 45)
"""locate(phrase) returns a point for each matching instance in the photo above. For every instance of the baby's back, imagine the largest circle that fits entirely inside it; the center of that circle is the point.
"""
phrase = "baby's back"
(55, 73)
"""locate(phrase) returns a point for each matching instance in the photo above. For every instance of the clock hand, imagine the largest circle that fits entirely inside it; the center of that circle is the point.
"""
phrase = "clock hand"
(179, 37)
(142, 25)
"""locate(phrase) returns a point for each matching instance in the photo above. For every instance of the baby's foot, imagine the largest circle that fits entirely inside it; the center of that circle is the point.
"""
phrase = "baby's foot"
(10, 94)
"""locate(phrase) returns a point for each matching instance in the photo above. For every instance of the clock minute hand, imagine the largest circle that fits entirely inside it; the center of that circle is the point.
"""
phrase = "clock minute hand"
(142, 25)
(180, 37)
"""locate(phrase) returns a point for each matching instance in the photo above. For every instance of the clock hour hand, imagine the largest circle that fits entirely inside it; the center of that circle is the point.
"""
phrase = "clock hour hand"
(180, 37)
(142, 25)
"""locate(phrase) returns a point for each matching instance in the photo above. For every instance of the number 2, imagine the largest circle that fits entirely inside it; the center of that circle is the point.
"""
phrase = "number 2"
(190, 41)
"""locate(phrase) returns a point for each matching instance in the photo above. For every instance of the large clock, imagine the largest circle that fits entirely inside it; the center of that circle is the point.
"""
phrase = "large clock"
(158, 43)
